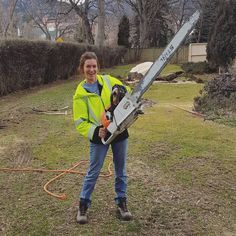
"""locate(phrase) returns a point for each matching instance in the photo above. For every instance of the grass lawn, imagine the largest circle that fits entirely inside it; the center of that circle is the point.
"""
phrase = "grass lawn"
(181, 169)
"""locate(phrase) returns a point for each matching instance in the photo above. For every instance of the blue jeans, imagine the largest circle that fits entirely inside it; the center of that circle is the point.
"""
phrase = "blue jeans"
(97, 156)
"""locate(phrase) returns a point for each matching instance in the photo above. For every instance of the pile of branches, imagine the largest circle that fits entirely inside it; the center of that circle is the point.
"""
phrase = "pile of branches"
(218, 96)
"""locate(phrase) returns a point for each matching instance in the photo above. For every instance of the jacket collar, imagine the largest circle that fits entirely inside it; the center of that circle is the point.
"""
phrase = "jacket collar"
(81, 92)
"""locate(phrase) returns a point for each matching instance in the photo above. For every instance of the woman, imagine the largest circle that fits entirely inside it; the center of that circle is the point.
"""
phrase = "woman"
(91, 99)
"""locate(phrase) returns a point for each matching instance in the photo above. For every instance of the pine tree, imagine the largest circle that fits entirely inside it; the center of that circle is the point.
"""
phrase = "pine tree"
(158, 28)
(206, 22)
(221, 46)
(123, 34)
(208, 19)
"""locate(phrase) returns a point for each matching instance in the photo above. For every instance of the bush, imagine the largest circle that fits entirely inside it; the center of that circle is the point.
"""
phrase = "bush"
(218, 96)
(197, 68)
(25, 64)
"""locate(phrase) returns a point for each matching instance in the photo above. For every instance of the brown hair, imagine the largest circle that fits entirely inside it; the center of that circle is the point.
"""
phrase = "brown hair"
(86, 56)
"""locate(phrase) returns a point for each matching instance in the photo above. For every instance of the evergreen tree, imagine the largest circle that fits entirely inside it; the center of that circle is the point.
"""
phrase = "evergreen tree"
(208, 19)
(221, 48)
(123, 34)
(158, 33)
(158, 30)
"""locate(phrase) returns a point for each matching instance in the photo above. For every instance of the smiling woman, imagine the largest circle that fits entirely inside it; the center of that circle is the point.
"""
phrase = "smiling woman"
(89, 68)
(92, 98)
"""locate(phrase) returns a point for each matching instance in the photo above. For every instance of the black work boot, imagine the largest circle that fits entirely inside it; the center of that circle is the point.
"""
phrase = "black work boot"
(122, 210)
(82, 216)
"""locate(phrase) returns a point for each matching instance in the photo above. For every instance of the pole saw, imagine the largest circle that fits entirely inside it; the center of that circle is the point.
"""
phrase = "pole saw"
(128, 109)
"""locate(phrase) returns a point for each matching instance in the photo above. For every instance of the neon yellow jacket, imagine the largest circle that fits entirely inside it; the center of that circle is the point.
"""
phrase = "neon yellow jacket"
(89, 107)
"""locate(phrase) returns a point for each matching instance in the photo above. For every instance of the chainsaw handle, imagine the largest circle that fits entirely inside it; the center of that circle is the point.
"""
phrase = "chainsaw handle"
(108, 139)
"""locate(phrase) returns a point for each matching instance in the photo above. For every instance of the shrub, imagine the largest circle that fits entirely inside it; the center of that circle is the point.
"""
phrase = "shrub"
(196, 68)
(217, 96)
(25, 64)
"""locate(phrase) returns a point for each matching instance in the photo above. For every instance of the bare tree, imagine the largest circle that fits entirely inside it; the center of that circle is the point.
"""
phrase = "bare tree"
(1, 18)
(113, 12)
(101, 24)
(151, 14)
(82, 9)
(179, 11)
(38, 12)
(139, 8)
(7, 18)
(47, 15)
(97, 13)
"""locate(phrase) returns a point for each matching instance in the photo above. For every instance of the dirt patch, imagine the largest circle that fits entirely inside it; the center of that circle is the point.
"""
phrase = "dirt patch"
(13, 116)
(191, 208)
(202, 167)
(161, 150)
(18, 154)
(2, 150)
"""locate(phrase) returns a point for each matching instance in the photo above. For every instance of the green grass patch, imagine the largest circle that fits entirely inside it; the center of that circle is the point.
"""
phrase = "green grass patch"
(181, 168)
(119, 71)
(123, 71)
(171, 68)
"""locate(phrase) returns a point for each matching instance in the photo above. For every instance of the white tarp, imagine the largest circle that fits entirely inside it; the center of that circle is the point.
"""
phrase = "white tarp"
(142, 68)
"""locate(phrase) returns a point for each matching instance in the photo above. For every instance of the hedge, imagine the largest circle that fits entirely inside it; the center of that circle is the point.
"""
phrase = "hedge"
(25, 64)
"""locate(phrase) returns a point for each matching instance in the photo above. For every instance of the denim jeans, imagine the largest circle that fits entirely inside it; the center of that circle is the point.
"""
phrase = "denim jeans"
(97, 156)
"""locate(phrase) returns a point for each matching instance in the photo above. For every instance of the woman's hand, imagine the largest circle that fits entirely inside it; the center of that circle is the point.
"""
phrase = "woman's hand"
(102, 132)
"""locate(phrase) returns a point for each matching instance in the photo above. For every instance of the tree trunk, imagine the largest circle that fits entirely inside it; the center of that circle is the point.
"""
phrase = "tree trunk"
(1, 18)
(82, 11)
(144, 41)
(87, 31)
(101, 24)
(10, 18)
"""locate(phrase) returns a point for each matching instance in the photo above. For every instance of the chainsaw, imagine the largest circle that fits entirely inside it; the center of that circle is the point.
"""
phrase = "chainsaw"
(128, 108)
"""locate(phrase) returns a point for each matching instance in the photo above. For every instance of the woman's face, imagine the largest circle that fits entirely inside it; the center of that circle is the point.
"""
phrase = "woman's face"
(90, 70)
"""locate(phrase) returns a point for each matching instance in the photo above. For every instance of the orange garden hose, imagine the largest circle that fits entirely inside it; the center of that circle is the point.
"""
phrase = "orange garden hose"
(191, 112)
(70, 170)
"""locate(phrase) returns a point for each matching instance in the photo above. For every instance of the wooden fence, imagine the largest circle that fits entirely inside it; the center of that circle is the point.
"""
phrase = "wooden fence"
(197, 52)
(151, 54)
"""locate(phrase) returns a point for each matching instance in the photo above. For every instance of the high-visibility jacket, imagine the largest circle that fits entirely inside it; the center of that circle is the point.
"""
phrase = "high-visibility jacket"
(89, 107)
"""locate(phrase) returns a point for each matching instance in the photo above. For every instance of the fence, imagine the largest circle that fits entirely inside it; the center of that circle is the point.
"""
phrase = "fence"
(197, 52)
(151, 54)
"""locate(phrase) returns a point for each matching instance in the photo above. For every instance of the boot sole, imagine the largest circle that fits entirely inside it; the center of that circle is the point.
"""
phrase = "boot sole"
(120, 217)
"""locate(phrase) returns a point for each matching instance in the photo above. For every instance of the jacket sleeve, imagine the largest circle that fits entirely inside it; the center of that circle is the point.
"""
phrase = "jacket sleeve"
(81, 119)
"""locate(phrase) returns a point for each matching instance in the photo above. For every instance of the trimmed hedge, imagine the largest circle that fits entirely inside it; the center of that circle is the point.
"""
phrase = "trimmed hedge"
(25, 64)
